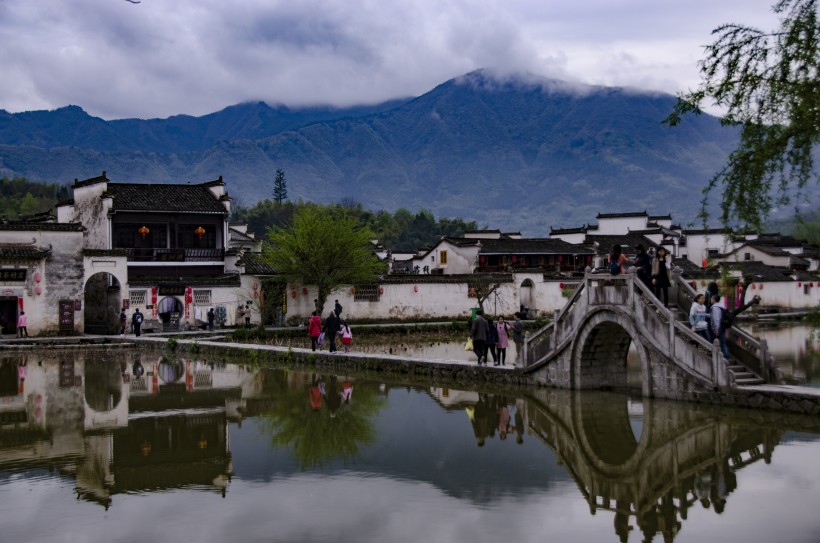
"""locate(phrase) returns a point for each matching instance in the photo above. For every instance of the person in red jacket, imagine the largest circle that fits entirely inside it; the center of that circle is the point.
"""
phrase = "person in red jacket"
(314, 329)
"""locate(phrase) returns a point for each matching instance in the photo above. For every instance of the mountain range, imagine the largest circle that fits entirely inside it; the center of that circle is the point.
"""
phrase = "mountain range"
(516, 153)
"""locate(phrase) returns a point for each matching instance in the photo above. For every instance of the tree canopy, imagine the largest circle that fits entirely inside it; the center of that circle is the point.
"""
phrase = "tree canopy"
(768, 84)
(323, 247)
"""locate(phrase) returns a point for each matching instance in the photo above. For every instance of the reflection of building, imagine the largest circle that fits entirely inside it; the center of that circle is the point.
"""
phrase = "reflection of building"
(114, 431)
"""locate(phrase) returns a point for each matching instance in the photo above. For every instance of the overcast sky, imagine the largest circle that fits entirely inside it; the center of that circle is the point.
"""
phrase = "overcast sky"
(158, 58)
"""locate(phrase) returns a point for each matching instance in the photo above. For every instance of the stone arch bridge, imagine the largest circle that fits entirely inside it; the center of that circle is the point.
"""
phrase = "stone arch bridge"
(586, 345)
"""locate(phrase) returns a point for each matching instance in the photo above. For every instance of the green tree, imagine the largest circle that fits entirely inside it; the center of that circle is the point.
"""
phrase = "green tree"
(280, 187)
(769, 84)
(323, 248)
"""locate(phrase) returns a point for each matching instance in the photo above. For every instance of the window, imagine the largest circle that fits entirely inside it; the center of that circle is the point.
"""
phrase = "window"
(137, 297)
(712, 253)
(747, 256)
(442, 258)
(367, 293)
(202, 297)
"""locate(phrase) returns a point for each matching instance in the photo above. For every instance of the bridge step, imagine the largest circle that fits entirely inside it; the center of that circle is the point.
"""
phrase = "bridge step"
(744, 377)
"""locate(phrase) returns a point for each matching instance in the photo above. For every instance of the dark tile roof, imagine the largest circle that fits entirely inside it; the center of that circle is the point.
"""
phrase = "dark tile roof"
(621, 215)
(760, 272)
(91, 181)
(105, 252)
(667, 217)
(255, 265)
(531, 246)
(227, 280)
(169, 198)
(579, 230)
(605, 243)
(236, 235)
(42, 226)
(704, 231)
(23, 253)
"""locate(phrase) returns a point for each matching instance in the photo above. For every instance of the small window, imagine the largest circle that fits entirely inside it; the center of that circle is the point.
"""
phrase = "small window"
(747, 256)
(202, 297)
(137, 297)
(367, 293)
(442, 258)
(712, 253)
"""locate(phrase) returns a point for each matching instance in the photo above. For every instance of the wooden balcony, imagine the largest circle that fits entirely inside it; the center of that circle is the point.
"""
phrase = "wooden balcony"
(175, 255)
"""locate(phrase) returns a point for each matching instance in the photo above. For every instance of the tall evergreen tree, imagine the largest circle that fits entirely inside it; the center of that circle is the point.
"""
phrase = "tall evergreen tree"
(280, 188)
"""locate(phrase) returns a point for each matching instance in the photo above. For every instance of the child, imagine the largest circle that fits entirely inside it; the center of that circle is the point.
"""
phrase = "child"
(347, 336)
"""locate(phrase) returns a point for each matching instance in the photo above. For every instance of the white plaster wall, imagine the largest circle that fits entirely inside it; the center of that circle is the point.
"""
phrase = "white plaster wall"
(92, 212)
(698, 246)
(786, 294)
(427, 300)
(61, 278)
(575, 239)
(757, 256)
(620, 226)
(460, 260)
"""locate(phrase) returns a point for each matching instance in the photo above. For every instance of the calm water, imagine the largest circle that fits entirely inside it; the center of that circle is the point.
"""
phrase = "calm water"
(93, 449)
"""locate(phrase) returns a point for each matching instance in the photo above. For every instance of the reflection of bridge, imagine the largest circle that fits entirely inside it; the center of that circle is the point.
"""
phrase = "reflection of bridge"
(680, 456)
(587, 343)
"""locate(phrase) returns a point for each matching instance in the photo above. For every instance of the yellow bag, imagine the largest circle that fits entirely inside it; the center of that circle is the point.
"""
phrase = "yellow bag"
(469, 345)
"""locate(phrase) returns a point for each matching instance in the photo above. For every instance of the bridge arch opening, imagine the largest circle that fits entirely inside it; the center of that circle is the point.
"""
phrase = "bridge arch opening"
(607, 354)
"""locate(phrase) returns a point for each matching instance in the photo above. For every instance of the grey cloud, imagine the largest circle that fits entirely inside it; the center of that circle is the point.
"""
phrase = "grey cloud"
(158, 58)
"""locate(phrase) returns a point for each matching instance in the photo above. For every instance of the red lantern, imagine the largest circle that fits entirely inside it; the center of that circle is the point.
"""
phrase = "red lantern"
(143, 231)
(154, 291)
(199, 232)
(353, 291)
(560, 285)
(304, 291)
(293, 294)
(799, 285)
(472, 292)
(415, 288)
(761, 287)
(753, 286)
(381, 290)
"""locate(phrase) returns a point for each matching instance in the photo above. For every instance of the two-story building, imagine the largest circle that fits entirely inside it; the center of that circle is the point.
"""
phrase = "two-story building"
(167, 249)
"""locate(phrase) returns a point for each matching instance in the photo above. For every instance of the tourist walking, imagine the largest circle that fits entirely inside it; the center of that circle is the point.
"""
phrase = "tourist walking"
(211, 317)
(22, 330)
(331, 328)
(347, 336)
(718, 325)
(518, 338)
(478, 332)
(337, 309)
(660, 276)
(697, 317)
(123, 322)
(314, 329)
(240, 314)
(502, 329)
(492, 340)
(136, 321)
(644, 266)
(617, 260)
(248, 316)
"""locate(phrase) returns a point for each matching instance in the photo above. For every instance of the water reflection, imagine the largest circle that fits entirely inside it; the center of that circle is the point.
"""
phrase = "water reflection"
(116, 429)
(795, 346)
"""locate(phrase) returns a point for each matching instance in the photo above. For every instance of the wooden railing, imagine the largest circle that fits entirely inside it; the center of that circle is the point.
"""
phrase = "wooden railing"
(175, 255)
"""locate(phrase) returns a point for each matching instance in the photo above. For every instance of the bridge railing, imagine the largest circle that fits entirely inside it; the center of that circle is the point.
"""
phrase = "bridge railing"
(700, 358)
(745, 349)
(541, 343)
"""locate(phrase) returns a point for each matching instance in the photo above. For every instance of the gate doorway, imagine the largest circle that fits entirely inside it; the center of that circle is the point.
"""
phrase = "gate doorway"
(102, 304)
(8, 315)
(169, 311)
